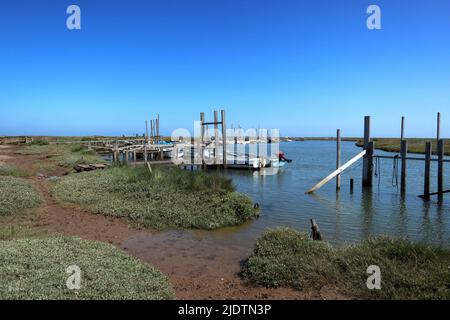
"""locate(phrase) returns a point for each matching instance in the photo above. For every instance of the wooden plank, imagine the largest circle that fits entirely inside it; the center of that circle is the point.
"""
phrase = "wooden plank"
(434, 194)
(426, 186)
(338, 158)
(440, 187)
(337, 171)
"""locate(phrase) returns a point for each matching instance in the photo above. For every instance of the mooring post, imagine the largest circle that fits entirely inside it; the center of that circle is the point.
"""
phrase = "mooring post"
(402, 133)
(202, 133)
(145, 152)
(224, 139)
(368, 159)
(216, 136)
(403, 153)
(338, 158)
(158, 137)
(426, 185)
(315, 231)
(352, 182)
(438, 131)
(440, 152)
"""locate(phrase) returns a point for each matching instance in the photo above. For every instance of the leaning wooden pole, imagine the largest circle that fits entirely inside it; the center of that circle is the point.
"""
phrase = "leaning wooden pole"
(224, 139)
(368, 159)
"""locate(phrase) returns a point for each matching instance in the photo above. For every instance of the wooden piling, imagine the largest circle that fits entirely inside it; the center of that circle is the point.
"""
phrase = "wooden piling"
(316, 233)
(224, 139)
(426, 185)
(440, 152)
(338, 158)
(368, 159)
(352, 182)
(158, 137)
(202, 133)
(438, 131)
(403, 153)
(216, 136)
(402, 133)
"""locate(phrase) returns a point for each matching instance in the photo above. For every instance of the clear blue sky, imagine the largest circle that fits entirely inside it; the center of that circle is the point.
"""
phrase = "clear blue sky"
(306, 67)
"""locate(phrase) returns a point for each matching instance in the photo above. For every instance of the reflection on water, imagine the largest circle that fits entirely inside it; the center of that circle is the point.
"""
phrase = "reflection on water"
(343, 217)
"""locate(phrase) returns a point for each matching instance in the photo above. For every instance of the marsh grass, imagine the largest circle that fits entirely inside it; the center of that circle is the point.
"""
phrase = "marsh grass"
(166, 198)
(11, 170)
(287, 258)
(415, 145)
(16, 194)
(12, 231)
(36, 269)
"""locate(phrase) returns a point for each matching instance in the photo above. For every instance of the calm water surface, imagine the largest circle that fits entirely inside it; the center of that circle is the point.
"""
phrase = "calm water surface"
(343, 217)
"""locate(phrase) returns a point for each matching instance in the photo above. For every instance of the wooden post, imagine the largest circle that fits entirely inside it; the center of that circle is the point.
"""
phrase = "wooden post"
(224, 139)
(145, 152)
(338, 158)
(368, 159)
(216, 136)
(440, 152)
(202, 133)
(316, 234)
(402, 134)
(158, 137)
(426, 186)
(403, 153)
(438, 134)
(352, 182)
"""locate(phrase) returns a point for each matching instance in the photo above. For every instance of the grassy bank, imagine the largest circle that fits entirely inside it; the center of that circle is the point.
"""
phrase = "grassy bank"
(415, 145)
(287, 258)
(36, 269)
(166, 198)
(16, 194)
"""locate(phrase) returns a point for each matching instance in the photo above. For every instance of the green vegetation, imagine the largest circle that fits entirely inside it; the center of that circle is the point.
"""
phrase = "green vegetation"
(36, 269)
(16, 195)
(32, 149)
(64, 155)
(10, 170)
(415, 145)
(287, 258)
(166, 198)
(12, 231)
(39, 142)
(71, 155)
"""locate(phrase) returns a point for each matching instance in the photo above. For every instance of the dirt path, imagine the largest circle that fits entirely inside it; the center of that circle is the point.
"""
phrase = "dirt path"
(197, 269)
